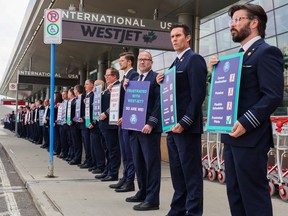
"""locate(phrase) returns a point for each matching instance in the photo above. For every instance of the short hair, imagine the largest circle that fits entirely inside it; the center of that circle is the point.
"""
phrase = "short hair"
(71, 90)
(79, 88)
(114, 72)
(186, 29)
(58, 97)
(128, 56)
(90, 81)
(254, 12)
(145, 51)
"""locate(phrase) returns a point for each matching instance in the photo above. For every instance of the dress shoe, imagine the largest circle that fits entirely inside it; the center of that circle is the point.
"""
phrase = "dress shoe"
(101, 176)
(118, 185)
(97, 171)
(134, 199)
(92, 168)
(84, 162)
(146, 206)
(44, 146)
(60, 156)
(126, 187)
(72, 162)
(109, 178)
(84, 166)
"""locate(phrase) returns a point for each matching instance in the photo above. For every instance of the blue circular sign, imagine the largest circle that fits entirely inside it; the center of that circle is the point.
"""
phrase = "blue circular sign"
(133, 119)
(226, 67)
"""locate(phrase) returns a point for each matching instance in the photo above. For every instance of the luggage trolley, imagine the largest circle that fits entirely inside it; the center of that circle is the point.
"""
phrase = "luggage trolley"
(213, 162)
(204, 150)
(278, 175)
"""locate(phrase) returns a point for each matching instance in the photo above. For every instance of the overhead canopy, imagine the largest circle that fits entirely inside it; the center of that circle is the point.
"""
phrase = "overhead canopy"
(31, 54)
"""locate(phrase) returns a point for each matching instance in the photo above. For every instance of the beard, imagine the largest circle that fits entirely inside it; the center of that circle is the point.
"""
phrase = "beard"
(238, 36)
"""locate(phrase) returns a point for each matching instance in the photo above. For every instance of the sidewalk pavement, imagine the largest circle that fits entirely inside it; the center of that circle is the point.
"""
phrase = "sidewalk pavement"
(75, 192)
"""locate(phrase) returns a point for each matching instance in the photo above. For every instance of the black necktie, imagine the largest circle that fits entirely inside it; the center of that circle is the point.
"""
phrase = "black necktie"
(141, 77)
(241, 50)
(176, 61)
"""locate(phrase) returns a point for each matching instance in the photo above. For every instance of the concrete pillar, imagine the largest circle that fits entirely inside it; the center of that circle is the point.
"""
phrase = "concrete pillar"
(47, 93)
(196, 34)
(42, 92)
(102, 66)
(82, 75)
(36, 96)
(194, 23)
(136, 53)
(187, 18)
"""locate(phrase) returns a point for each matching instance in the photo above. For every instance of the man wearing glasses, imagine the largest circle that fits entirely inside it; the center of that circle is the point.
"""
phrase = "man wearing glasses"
(261, 91)
(145, 144)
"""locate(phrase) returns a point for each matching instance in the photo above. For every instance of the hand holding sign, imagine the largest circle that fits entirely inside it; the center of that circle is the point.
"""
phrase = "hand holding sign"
(160, 77)
(237, 130)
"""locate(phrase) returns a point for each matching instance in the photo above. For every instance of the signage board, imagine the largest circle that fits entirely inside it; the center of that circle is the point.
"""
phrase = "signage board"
(25, 87)
(116, 35)
(52, 26)
(224, 94)
(13, 102)
(113, 20)
(168, 100)
(12, 86)
(135, 105)
(114, 105)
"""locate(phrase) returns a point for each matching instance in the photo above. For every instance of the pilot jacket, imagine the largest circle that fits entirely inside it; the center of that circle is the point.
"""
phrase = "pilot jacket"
(128, 165)
(185, 148)
(146, 147)
(261, 91)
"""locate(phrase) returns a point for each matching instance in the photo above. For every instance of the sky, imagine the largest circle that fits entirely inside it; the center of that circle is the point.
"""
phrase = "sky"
(11, 16)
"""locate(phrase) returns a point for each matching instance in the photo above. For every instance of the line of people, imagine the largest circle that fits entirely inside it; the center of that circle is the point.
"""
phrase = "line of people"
(246, 147)
(75, 128)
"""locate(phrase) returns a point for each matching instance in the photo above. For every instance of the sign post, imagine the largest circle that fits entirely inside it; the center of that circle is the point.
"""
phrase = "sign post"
(52, 35)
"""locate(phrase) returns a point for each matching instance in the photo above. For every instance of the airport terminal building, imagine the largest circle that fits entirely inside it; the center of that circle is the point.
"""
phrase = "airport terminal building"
(87, 55)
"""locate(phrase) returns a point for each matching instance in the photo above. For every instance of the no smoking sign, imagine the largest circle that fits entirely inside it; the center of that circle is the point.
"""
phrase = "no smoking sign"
(52, 26)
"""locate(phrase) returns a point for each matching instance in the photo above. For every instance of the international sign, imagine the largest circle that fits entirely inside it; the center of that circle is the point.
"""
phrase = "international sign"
(52, 26)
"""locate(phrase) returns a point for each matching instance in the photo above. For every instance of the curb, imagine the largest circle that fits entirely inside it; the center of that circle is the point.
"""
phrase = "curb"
(43, 203)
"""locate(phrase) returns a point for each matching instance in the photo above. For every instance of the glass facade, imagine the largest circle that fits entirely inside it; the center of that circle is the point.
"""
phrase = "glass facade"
(215, 39)
(219, 42)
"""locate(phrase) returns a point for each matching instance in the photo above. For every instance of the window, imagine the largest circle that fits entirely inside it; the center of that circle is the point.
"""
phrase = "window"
(272, 41)
(270, 28)
(207, 45)
(221, 22)
(207, 28)
(278, 3)
(283, 44)
(266, 4)
(224, 40)
(281, 15)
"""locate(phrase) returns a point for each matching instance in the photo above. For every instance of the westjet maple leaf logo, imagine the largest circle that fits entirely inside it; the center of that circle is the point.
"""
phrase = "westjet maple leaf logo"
(150, 37)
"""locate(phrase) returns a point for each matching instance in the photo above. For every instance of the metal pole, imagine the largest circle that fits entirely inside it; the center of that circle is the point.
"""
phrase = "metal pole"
(52, 86)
